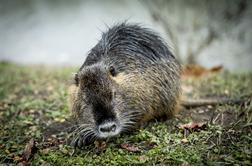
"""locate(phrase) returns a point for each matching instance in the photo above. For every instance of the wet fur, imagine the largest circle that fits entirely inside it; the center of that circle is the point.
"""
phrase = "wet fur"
(144, 83)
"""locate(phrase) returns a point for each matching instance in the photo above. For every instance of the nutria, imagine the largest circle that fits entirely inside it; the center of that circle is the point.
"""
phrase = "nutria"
(127, 79)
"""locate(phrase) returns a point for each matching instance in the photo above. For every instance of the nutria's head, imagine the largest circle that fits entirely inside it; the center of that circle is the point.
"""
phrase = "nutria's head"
(99, 105)
(128, 78)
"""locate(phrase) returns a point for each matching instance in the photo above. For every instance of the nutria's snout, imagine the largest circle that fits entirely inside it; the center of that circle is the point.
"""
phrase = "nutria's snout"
(127, 79)
(108, 129)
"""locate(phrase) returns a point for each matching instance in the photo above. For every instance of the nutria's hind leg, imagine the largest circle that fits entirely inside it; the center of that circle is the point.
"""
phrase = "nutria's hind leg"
(177, 108)
(166, 115)
(155, 120)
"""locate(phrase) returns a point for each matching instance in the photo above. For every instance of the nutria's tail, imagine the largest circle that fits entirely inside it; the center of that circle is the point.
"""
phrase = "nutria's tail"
(187, 103)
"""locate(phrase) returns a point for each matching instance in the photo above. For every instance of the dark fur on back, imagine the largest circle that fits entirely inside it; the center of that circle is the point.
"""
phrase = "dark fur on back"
(131, 41)
(128, 78)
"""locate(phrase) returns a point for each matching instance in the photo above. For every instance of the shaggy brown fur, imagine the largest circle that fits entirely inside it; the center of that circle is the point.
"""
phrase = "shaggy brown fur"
(128, 78)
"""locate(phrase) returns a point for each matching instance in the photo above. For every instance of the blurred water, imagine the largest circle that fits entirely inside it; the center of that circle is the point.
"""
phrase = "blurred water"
(60, 32)
(63, 31)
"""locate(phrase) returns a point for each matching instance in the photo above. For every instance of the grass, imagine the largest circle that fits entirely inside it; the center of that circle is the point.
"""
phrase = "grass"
(33, 106)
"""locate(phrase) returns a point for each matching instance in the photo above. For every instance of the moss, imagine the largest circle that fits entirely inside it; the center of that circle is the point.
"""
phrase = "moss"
(33, 97)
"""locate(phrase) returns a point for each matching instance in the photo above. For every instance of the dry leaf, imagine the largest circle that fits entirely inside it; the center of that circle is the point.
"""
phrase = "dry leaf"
(216, 69)
(192, 125)
(184, 140)
(17, 159)
(130, 148)
(143, 158)
(30, 150)
(198, 70)
(101, 145)
(185, 163)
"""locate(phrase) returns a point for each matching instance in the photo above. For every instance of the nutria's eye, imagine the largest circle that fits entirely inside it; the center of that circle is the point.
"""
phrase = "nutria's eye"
(112, 71)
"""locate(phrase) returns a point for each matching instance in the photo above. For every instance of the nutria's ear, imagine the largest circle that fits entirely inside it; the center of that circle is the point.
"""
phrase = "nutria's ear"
(76, 79)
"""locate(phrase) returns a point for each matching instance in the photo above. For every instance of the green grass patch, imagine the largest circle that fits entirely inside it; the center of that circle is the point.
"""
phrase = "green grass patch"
(32, 98)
